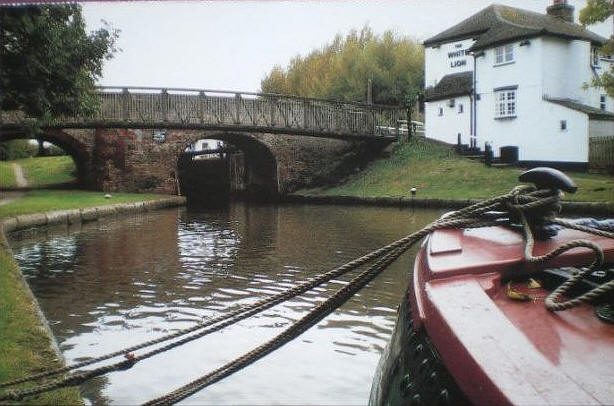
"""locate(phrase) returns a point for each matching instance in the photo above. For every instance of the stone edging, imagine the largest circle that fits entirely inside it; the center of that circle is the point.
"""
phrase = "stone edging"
(583, 208)
(74, 216)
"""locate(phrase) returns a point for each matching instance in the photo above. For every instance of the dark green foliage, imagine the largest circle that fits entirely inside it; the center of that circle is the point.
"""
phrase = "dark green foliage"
(342, 69)
(17, 149)
(49, 64)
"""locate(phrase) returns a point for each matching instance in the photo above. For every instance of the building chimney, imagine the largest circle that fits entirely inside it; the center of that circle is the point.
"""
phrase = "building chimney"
(562, 10)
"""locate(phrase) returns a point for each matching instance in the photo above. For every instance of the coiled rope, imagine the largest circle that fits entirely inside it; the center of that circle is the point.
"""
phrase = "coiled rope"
(519, 205)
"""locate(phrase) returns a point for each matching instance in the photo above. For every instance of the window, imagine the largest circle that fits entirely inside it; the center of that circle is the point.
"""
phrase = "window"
(602, 102)
(505, 103)
(460, 108)
(504, 54)
(594, 56)
(563, 125)
(440, 111)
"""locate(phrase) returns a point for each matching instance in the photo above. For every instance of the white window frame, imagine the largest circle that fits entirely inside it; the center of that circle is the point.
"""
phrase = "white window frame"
(602, 102)
(506, 103)
(504, 54)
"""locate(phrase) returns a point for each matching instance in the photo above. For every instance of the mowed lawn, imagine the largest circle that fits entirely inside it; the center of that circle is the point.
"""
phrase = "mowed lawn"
(7, 176)
(45, 171)
(437, 172)
(36, 201)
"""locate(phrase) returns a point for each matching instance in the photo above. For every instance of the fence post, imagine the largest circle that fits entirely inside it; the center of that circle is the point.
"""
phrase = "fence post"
(125, 104)
(237, 108)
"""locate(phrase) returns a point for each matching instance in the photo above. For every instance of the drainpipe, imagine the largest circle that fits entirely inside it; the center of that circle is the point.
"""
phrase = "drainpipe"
(475, 104)
(474, 130)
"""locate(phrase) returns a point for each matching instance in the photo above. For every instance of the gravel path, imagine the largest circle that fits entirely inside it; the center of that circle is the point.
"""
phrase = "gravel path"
(20, 179)
(19, 176)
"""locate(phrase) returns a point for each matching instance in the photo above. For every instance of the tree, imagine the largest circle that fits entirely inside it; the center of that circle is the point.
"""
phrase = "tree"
(48, 63)
(598, 11)
(341, 69)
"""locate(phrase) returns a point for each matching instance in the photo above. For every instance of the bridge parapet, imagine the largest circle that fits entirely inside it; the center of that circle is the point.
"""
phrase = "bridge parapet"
(225, 110)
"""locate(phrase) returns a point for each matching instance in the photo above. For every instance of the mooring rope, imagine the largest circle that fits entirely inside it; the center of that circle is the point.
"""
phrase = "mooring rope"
(519, 205)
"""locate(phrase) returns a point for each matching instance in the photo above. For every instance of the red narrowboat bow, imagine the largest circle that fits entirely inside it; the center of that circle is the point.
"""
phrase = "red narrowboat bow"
(473, 327)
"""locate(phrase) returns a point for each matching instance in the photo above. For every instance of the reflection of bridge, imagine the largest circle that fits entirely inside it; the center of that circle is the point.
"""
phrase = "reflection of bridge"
(146, 107)
(134, 141)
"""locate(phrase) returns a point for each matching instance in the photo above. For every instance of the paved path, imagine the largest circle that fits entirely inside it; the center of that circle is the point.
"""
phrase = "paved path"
(19, 177)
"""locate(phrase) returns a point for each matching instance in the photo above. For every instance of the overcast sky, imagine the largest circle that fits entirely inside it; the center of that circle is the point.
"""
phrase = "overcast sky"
(231, 45)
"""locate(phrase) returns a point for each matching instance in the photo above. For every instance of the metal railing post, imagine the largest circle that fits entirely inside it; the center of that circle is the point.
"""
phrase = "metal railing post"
(164, 99)
(125, 104)
(237, 108)
(272, 102)
(201, 106)
(305, 113)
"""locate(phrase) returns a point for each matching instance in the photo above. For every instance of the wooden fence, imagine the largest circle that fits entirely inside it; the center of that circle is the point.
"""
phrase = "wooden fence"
(601, 154)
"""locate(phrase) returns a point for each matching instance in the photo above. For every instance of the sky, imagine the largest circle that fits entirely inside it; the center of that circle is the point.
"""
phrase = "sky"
(232, 45)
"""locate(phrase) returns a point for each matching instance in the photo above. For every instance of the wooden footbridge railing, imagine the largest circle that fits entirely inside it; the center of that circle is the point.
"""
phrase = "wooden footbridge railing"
(242, 111)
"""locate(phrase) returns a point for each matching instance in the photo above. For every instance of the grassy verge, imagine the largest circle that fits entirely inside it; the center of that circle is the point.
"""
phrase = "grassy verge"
(436, 172)
(45, 171)
(24, 345)
(7, 176)
(48, 200)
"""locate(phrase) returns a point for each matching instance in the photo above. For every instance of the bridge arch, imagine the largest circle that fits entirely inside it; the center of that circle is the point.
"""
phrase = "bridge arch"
(74, 147)
(253, 169)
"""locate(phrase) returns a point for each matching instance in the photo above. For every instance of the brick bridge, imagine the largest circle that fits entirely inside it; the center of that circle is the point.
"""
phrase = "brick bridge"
(135, 140)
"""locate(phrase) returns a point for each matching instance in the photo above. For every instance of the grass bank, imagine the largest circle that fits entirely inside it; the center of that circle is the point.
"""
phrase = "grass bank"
(438, 173)
(7, 176)
(40, 171)
(24, 344)
(36, 201)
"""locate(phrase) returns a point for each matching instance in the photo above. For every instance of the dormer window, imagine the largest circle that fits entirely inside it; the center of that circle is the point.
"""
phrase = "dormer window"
(504, 54)
(594, 56)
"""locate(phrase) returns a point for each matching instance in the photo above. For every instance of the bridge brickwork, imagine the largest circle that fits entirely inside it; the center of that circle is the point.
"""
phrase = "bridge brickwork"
(134, 141)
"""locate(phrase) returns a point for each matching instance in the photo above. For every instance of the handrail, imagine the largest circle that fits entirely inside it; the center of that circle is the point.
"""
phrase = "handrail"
(258, 94)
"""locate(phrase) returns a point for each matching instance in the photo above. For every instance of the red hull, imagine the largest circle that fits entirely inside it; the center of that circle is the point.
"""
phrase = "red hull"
(501, 351)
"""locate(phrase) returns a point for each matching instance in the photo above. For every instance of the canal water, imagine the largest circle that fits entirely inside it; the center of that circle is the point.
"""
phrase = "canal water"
(120, 281)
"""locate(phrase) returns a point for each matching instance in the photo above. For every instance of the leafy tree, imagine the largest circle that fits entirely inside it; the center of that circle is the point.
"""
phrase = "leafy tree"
(594, 12)
(48, 63)
(342, 69)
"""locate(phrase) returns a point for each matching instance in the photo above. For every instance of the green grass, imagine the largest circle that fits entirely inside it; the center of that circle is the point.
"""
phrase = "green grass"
(437, 172)
(24, 346)
(39, 171)
(45, 171)
(7, 176)
(48, 200)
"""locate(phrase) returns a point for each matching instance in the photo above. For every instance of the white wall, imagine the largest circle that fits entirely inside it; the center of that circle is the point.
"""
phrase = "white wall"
(447, 127)
(446, 59)
(567, 69)
(546, 67)
(524, 72)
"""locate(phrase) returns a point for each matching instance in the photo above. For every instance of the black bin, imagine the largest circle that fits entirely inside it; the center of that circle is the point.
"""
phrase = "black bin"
(509, 154)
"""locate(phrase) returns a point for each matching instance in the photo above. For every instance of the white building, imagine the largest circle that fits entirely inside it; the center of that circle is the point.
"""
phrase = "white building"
(512, 77)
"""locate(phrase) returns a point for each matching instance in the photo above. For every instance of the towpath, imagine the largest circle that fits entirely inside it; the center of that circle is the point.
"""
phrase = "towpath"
(20, 179)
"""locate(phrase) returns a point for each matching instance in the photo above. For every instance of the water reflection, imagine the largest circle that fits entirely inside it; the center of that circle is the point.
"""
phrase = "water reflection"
(122, 281)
